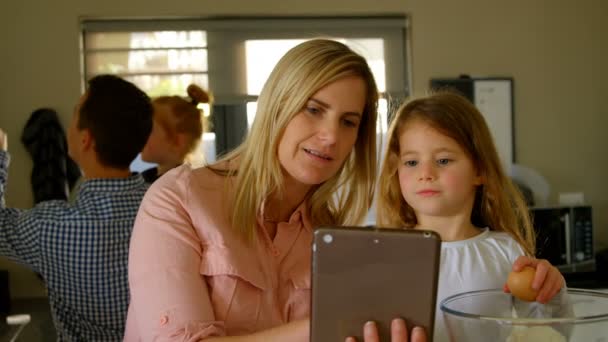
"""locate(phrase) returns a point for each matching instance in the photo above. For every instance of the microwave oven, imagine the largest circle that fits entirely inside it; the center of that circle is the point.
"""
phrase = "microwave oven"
(564, 236)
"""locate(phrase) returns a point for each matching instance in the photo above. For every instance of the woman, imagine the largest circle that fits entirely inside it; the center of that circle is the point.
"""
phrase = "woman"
(224, 250)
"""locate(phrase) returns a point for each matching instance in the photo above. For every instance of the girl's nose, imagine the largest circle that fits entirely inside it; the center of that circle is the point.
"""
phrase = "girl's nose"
(426, 171)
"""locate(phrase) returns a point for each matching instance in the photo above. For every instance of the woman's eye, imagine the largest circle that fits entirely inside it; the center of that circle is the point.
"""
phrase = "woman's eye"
(410, 163)
(443, 161)
(313, 110)
(350, 123)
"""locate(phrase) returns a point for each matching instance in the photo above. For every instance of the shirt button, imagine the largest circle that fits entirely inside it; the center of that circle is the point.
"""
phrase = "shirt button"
(296, 216)
(164, 320)
(275, 252)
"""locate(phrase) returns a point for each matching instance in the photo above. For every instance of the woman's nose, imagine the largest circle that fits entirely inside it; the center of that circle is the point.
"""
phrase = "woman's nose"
(328, 132)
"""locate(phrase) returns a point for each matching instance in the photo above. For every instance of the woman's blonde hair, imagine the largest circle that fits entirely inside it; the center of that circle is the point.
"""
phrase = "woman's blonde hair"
(498, 203)
(183, 117)
(343, 199)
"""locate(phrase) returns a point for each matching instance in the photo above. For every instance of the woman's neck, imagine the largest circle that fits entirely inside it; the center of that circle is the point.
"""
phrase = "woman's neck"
(280, 207)
(451, 228)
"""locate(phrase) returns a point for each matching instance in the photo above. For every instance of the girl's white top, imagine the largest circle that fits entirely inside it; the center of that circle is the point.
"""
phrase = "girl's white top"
(479, 263)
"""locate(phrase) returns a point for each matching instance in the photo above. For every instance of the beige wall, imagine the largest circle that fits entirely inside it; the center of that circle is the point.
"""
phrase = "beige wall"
(557, 52)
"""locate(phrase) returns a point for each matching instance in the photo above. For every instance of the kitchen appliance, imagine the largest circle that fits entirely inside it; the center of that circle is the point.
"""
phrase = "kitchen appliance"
(565, 236)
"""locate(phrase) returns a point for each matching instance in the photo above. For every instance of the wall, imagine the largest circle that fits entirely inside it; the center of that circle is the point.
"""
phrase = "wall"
(555, 50)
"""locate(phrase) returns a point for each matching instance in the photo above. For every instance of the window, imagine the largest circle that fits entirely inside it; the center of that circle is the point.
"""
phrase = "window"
(233, 57)
(263, 55)
(159, 62)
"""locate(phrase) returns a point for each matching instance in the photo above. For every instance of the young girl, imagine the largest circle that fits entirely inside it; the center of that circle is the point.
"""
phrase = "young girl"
(176, 133)
(442, 172)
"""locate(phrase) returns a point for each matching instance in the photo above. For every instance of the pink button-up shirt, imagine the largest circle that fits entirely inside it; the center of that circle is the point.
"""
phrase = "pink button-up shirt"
(192, 276)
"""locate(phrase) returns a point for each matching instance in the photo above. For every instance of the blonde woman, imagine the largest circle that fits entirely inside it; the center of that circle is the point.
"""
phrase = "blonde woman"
(176, 133)
(224, 251)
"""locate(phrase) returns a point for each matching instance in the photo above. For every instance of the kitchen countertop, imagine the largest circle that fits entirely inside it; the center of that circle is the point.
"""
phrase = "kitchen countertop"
(41, 328)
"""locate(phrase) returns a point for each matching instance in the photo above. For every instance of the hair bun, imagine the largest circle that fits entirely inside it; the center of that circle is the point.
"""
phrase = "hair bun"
(197, 94)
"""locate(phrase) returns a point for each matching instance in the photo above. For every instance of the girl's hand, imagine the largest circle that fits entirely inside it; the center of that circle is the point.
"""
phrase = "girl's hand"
(547, 279)
(398, 333)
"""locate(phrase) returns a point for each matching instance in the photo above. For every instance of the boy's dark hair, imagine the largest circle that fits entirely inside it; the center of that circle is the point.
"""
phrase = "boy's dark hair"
(119, 117)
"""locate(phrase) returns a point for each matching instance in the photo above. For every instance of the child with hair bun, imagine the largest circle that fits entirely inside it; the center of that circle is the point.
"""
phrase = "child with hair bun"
(176, 133)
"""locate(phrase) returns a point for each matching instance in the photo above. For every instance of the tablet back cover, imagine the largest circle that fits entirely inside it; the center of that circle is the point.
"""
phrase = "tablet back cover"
(365, 273)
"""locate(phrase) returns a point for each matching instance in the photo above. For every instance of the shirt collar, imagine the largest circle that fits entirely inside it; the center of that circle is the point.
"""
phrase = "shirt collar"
(111, 184)
(298, 217)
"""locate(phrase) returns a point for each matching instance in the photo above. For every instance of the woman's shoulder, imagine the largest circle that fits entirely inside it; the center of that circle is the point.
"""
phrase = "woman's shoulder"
(184, 182)
(202, 175)
(200, 192)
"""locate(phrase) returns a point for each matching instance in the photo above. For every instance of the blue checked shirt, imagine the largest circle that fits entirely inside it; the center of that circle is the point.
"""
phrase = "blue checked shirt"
(81, 251)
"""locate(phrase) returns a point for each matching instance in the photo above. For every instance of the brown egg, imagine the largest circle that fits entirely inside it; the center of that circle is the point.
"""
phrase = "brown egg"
(520, 284)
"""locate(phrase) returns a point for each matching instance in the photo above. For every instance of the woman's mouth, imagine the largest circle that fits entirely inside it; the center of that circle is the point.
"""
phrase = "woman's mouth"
(318, 154)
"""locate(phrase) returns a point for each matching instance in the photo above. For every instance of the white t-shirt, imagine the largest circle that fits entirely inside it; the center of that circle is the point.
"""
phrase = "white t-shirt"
(479, 263)
(484, 262)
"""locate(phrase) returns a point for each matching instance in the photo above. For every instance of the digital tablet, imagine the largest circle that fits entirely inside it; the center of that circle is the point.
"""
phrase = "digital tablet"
(365, 273)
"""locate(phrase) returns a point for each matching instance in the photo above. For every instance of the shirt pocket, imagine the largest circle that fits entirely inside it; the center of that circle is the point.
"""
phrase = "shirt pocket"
(236, 287)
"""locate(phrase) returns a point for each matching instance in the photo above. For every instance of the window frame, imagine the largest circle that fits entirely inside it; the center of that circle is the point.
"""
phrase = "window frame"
(226, 60)
(226, 37)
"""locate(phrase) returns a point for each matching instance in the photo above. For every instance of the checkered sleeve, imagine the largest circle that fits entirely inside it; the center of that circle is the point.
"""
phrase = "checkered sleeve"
(18, 228)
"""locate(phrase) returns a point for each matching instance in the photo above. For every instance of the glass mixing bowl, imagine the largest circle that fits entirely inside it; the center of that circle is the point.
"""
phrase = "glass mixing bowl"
(495, 316)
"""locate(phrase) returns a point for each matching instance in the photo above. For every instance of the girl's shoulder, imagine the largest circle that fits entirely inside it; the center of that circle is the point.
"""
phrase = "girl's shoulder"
(504, 242)
(486, 241)
(489, 246)
(500, 237)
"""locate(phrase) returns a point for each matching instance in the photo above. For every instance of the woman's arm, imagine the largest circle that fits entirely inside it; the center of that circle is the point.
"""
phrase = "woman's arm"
(297, 331)
(169, 296)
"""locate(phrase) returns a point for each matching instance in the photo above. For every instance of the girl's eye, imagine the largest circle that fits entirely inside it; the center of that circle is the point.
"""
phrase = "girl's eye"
(443, 161)
(410, 163)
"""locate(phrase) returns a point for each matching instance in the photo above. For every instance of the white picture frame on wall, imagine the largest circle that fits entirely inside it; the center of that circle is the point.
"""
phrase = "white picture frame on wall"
(493, 96)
